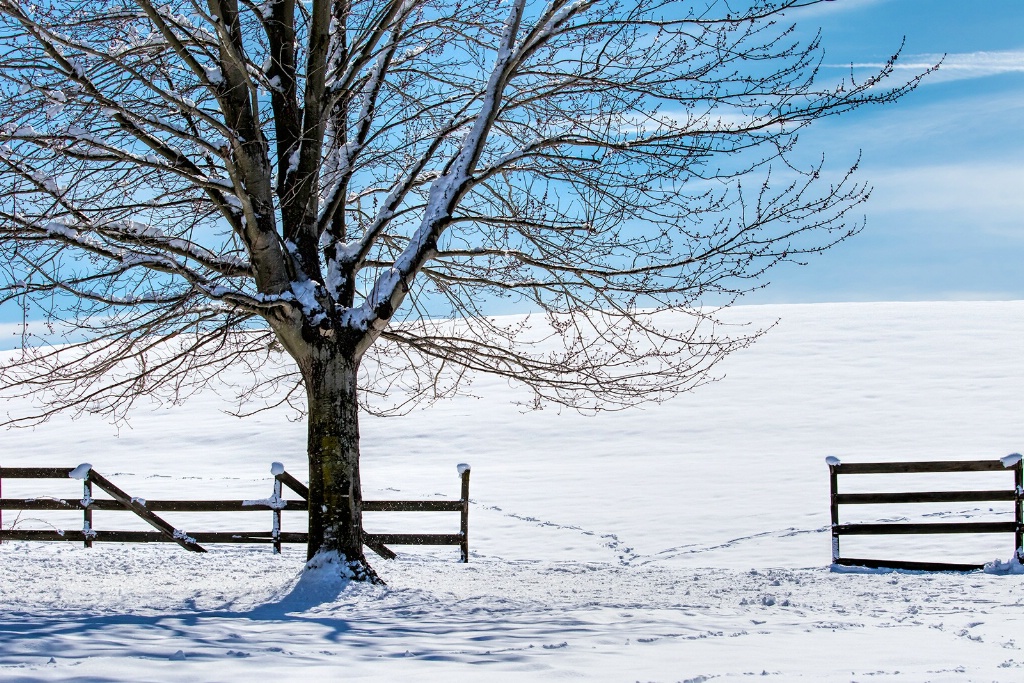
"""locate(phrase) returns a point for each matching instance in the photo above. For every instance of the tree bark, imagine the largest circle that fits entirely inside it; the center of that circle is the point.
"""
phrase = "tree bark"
(335, 496)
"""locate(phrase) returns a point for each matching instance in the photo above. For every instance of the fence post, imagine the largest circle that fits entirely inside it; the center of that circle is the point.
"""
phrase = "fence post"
(87, 532)
(276, 469)
(1018, 514)
(833, 464)
(464, 521)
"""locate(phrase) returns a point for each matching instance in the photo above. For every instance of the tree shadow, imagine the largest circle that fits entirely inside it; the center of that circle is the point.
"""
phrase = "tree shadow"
(32, 637)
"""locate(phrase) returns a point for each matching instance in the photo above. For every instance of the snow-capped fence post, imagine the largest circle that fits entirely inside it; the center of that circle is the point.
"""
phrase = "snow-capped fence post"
(82, 473)
(276, 469)
(464, 514)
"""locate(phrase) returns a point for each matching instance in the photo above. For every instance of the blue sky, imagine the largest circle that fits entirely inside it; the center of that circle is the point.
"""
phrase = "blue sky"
(946, 218)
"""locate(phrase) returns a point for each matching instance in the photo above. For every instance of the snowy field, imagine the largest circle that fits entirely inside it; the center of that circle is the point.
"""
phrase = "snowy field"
(681, 542)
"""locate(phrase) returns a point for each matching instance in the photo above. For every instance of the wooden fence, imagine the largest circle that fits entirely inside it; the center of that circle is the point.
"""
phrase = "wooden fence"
(1014, 495)
(193, 541)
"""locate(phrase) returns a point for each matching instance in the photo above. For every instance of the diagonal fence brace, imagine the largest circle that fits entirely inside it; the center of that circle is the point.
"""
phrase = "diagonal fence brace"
(378, 547)
(292, 483)
(158, 523)
(283, 477)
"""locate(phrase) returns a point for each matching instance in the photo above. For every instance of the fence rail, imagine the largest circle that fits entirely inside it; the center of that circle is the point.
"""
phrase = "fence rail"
(164, 532)
(1016, 495)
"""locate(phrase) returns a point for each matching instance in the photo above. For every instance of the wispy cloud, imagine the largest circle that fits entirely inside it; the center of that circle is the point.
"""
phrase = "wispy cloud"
(955, 66)
(829, 8)
(985, 196)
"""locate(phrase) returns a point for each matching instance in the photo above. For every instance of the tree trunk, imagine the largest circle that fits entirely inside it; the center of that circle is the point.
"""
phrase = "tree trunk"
(335, 495)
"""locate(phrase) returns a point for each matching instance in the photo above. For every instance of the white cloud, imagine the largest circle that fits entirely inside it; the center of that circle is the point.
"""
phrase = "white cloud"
(986, 195)
(830, 7)
(952, 186)
(976, 125)
(955, 66)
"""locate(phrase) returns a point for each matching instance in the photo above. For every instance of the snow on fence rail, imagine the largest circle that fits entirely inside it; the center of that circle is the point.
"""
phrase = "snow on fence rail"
(165, 532)
(1016, 495)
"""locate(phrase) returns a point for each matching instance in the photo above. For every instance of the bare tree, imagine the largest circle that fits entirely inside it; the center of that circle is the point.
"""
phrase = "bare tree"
(187, 186)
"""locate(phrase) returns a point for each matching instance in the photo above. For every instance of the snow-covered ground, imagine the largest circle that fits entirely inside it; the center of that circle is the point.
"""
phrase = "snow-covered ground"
(684, 541)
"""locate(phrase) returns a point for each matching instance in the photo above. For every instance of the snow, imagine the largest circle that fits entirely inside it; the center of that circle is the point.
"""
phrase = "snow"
(384, 285)
(48, 182)
(166, 123)
(304, 292)
(462, 468)
(183, 536)
(1011, 459)
(683, 541)
(185, 103)
(274, 503)
(80, 472)
(140, 229)
(832, 460)
(214, 75)
(1011, 566)
(276, 468)
(224, 183)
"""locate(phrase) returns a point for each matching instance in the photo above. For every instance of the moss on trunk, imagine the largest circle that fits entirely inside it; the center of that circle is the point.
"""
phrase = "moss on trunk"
(335, 495)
